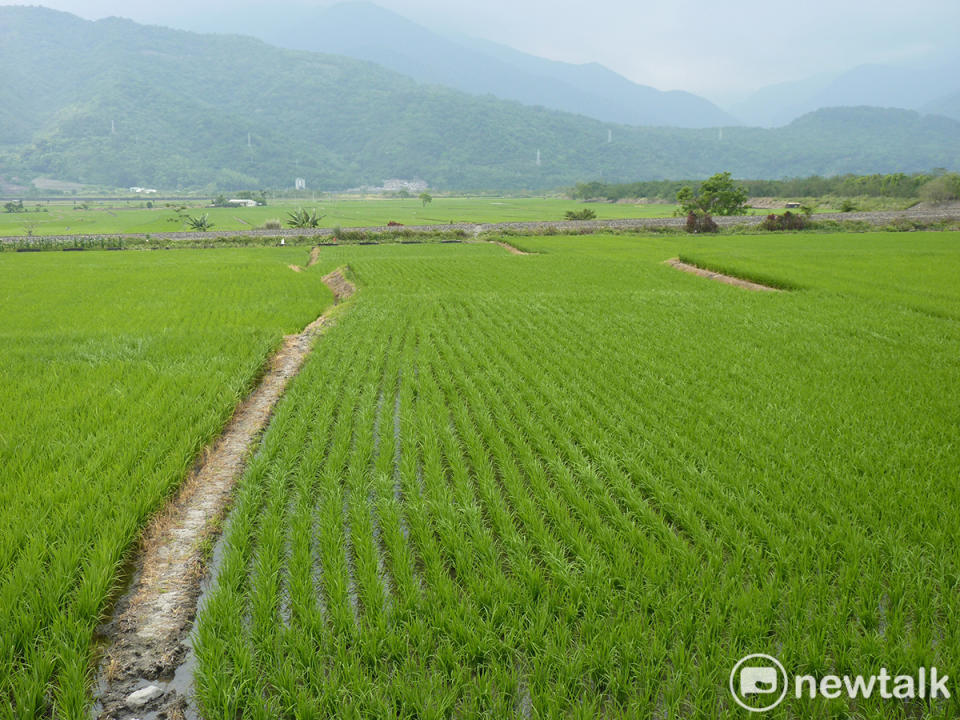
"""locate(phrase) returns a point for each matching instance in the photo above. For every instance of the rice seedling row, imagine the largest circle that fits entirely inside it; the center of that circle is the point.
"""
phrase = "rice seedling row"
(116, 371)
(582, 484)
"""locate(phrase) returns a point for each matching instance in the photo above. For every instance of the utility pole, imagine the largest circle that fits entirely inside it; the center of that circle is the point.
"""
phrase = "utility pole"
(538, 158)
(609, 136)
(113, 128)
(249, 143)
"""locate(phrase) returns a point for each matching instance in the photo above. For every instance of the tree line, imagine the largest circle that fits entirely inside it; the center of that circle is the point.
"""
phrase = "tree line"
(935, 186)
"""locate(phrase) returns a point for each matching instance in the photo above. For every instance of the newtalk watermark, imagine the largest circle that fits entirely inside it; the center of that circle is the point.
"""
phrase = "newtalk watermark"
(759, 683)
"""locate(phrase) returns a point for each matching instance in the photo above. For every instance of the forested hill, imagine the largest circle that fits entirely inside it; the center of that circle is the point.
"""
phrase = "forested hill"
(120, 104)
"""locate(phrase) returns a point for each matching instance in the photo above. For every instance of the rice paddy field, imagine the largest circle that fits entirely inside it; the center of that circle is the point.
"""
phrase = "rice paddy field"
(116, 369)
(121, 216)
(573, 483)
(583, 484)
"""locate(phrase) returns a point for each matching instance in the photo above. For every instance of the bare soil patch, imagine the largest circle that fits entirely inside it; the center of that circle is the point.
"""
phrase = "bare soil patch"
(295, 268)
(510, 248)
(148, 634)
(339, 285)
(720, 277)
(314, 256)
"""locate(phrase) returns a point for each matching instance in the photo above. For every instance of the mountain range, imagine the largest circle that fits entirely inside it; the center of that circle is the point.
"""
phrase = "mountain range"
(119, 104)
(366, 31)
(927, 89)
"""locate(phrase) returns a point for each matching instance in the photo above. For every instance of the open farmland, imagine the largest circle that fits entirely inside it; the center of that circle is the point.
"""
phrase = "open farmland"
(124, 216)
(580, 483)
(116, 369)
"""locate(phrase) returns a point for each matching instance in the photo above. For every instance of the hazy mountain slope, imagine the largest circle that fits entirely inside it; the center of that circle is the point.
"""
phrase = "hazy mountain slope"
(875, 85)
(613, 97)
(115, 103)
(948, 105)
(368, 32)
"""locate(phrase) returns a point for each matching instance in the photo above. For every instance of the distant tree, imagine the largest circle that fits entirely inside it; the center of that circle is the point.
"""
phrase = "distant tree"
(403, 193)
(584, 214)
(14, 207)
(717, 195)
(588, 190)
(941, 189)
(220, 200)
(426, 198)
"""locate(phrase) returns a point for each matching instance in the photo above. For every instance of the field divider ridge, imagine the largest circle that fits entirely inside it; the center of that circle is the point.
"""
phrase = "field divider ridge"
(148, 633)
(720, 277)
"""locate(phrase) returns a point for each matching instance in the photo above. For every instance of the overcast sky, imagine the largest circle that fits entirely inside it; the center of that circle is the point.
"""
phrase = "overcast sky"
(717, 49)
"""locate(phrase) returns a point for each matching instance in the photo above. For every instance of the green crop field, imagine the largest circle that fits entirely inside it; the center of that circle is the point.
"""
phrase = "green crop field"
(115, 216)
(575, 483)
(115, 370)
(581, 483)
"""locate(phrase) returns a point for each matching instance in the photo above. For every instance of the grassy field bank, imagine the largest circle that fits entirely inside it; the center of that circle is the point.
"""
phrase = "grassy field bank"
(115, 370)
(116, 216)
(583, 484)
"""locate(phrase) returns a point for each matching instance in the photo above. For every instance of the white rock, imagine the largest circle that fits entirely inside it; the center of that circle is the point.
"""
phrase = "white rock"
(142, 696)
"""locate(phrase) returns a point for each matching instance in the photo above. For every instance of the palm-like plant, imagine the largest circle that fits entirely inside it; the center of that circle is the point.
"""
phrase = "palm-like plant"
(199, 222)
(301, 218)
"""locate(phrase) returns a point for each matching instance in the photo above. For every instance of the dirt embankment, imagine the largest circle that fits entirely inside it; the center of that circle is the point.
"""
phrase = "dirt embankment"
(339, 285)
(148, 635)
(314, 258)
(720, 277)
(510, 248)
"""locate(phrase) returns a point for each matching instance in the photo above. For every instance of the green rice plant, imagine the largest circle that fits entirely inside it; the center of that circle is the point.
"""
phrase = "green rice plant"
(576, 483)
(117, 369)
(586, 482)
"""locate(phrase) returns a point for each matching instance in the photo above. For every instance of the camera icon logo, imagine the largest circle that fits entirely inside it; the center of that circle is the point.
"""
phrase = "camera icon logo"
(758, 682)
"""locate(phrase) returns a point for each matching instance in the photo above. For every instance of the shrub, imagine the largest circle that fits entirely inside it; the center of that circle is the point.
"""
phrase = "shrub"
(700, 222)
(584, 214)
(273, 224)
(787, 221)
(847, 206)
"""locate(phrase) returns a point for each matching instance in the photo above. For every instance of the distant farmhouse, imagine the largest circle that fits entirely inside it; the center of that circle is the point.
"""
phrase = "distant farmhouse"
(396, 185)
(240, 202)
(143, 191)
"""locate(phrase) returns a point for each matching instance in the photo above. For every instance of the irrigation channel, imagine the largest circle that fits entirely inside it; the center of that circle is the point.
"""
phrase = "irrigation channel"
(147, 662)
